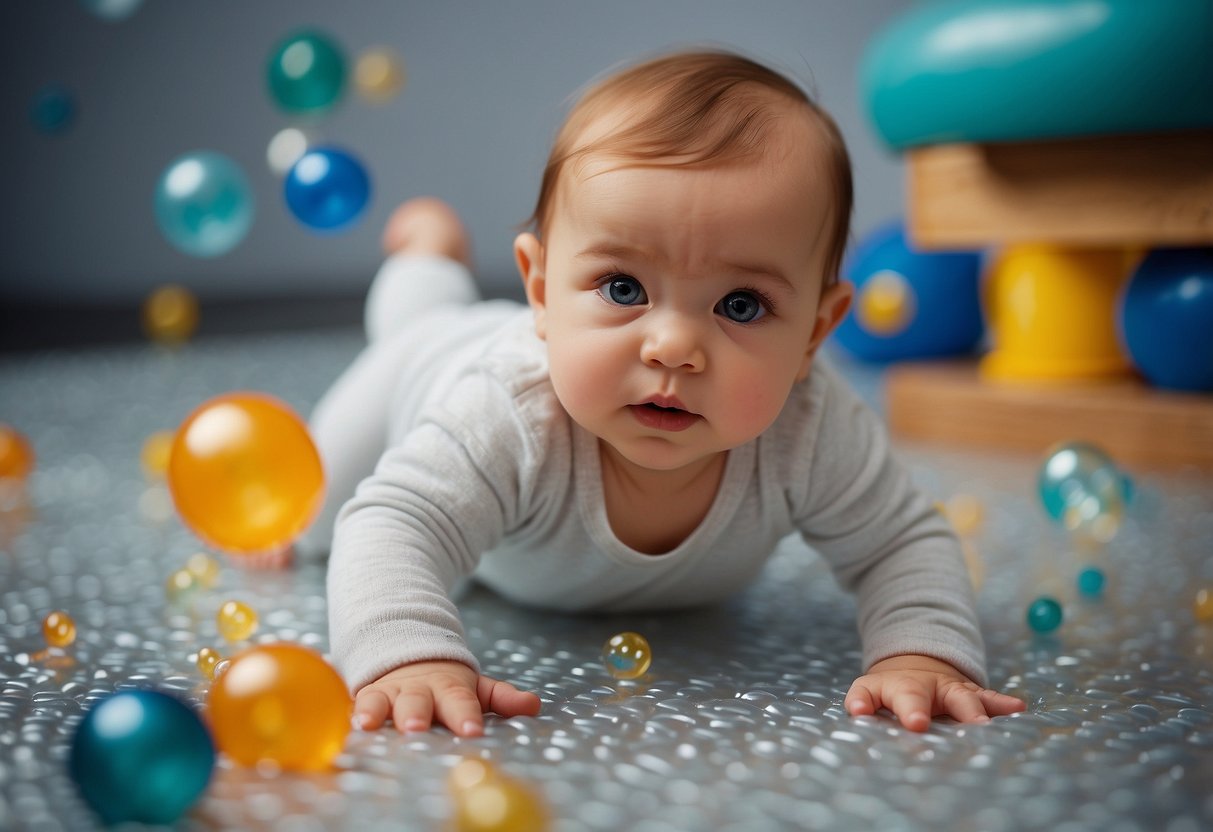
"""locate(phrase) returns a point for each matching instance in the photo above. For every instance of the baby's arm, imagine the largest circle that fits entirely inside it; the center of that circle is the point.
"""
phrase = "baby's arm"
(446, 692)
(916, 688)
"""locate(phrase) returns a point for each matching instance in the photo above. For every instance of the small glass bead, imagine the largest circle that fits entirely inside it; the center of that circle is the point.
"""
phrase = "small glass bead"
(236, 620)
(208, 657)
(179, 585)
(1091, 582)
(627, 655)
(1044, 615)
(59, 629)
(204, 568)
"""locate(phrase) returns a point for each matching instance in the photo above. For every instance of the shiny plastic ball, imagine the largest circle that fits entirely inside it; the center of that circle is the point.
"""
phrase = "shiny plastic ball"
(208, 657)
(488, 801)
(244, 473)
(59, 629)
(236, 620)
(1044, 615)
(141, 756)
(204, 205)
(16, 454)
(170, 315)
(1082, 490)
(112, 10)
(1165, 317)
(1091, 582)
(1202, 606)
(306, 73)
(283, 703)
(627, 655)
(379, 75)
(327, 189)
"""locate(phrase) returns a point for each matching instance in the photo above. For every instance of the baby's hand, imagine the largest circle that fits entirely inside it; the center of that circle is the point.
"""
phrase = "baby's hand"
(916, 688)
(450, 693)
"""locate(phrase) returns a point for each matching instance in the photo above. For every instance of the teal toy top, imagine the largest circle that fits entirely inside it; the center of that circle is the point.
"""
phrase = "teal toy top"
(1016, 70)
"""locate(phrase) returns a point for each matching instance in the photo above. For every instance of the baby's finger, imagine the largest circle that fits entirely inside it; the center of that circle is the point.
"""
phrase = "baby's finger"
(371, 709)
(413, 710)
(505, 699)
(1001, 704)
(458, 709)
(964, 705)
(912, 705)
(860, 701)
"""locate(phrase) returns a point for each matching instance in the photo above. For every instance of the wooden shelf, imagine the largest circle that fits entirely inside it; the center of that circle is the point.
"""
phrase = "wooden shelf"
(1138, 425)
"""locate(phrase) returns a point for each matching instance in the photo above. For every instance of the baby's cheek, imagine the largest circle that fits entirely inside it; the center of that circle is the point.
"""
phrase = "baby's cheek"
(754, 406)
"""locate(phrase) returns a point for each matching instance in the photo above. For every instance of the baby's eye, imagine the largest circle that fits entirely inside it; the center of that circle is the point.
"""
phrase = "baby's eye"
(742, 307)
(623, 291)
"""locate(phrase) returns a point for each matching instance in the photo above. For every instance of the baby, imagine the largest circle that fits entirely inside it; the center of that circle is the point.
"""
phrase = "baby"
(646, 430)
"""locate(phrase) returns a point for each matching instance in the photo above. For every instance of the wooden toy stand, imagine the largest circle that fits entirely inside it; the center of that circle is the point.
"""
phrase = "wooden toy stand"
(1108, 191)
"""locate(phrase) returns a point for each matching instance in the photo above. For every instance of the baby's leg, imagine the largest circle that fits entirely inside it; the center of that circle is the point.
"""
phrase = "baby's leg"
(350, 424)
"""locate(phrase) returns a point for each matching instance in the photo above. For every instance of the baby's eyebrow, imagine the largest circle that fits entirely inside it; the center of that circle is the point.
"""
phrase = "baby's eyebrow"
(625, 252)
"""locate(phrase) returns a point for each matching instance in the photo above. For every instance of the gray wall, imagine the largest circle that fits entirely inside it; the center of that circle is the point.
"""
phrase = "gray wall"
(487, 85)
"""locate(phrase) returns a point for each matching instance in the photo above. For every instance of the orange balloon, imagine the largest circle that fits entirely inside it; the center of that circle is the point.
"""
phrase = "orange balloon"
(244, 473)
(280, 702)
(16, 455)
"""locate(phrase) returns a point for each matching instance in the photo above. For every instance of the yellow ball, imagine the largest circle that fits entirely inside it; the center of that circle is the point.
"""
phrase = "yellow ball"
(885, 305)
(1203, 606)
(487, 801)
(236, 620)
(59, 629)
(627, 655)
(245, 474)
(16, 454)
(155, 453)
(283, 703)
(208, 657)
(204, 568)
(379, 75)
(170, 315)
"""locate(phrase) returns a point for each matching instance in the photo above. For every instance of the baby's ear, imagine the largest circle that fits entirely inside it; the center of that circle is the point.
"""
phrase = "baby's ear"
(528, 253)
(832, 307)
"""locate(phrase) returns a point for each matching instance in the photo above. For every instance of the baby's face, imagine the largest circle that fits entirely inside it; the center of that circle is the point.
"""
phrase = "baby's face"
(680, 305)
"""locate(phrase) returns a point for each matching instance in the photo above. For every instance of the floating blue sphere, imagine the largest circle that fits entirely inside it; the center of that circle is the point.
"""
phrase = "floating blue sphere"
(1091, 582)
(910, 304)
(203, 204)
(327, 189)
(1166, 318)
(1082, 490)
(1044, 615)
(141, 756)
(52, 110)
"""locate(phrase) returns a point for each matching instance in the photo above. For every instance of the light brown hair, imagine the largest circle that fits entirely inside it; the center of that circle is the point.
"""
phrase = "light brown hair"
(695, 108)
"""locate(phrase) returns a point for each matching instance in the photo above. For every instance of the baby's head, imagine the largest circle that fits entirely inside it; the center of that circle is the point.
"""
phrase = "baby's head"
(698, 109)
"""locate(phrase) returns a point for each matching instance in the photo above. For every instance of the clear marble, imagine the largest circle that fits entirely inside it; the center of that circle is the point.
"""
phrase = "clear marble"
(738, 724)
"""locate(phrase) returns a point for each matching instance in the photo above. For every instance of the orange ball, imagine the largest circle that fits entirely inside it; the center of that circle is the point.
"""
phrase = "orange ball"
(245, 474)
(16, 454)
(280, 702)
(59, 629)
(170, 315)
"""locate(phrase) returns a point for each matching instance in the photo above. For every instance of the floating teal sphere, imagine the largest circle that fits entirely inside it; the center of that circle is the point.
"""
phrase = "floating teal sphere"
(1044, 615)
(203, 204)
(52, 110)
(1081, 489)
(1091, 582)
(306, 73)
(141, 756)
(112, 9)
(327, 189)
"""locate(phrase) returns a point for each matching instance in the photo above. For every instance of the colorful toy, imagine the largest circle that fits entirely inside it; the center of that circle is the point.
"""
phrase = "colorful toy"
(236, 620)
(244, 473)
(1091, 582)
(1202, 607)
(141, 756)
(327, 189)
(208, 657)
(378, 75)
(306, 73)
(170, 315)
(280, 702)
(909, 304)
(59, 629)
(52, 110)
(203, 204)
(16, 454)
(627, 655)
(1082, 489)
(1165, 316)
(1044, 615)
(488, 801)
(204, 568)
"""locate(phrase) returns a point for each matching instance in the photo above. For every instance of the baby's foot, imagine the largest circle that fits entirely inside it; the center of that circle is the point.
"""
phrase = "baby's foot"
(427, 225)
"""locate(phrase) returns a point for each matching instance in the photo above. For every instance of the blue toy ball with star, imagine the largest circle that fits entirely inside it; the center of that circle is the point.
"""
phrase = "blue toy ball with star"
(910, 303)
(1166, 318)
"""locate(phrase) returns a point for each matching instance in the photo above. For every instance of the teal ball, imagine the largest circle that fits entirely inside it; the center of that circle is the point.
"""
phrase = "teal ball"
(1044, 615)
(203, 203)
(306, 73)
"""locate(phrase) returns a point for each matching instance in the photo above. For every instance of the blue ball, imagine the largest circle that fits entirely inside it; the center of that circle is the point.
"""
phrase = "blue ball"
(141, 756)
(1166, 318)
(1075, 472)
(1044, 615)
(52, 110)
(1091, 582)
(203, 203)
(942, 309)
(327, 189)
